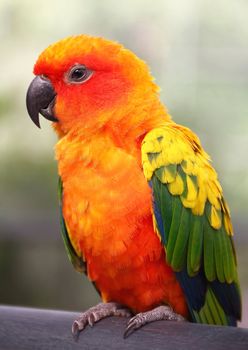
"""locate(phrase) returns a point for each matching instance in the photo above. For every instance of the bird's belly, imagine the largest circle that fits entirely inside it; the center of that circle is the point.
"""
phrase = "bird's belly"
(139, 277)
(108, 215)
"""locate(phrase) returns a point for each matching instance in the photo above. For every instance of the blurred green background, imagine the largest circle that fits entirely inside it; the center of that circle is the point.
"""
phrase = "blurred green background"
(198, 52)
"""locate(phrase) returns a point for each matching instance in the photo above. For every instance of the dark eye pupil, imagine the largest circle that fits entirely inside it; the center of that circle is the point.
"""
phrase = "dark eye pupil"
(78, 73)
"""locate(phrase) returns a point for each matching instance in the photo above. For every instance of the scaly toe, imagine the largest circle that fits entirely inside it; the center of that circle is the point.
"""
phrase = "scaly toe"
(95, 314)
(159, 313)
(92, 319)
(133, 324)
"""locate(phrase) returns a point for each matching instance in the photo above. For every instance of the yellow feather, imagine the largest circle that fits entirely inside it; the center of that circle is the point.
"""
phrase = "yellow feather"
(213, 195)
(201, 201)
(167, 176)
(157, 162)
(176, 187)
(215, 218)
(151, 146)
(188, 204)
(228, 225)
(147, 168)
(192, 189)
(225, 207)
(188, 167)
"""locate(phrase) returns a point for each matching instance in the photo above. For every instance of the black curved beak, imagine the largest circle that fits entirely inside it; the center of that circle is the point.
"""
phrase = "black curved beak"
(41, 99)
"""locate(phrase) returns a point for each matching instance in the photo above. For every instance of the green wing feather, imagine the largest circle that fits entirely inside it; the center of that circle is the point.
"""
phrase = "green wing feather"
(193, 221)
(77, 261)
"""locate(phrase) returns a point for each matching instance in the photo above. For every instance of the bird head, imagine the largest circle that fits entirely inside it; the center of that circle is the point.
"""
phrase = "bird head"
(85, 82)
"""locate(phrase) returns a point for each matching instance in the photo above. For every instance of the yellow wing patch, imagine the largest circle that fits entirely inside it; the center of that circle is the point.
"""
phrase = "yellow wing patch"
(177, 156)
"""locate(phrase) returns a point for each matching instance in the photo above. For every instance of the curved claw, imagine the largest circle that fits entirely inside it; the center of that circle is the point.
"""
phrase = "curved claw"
(95, 314)
(131, 327)
(160, 313)
(75, 330)
(91, 320)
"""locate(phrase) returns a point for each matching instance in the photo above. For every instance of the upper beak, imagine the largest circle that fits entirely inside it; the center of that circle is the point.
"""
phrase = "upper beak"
(41, 99)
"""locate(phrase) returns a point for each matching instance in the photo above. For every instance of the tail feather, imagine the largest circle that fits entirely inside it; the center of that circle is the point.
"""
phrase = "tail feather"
(212, 312)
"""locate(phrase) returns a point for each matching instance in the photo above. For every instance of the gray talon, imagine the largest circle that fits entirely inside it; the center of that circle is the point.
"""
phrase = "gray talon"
(157, 314)
(75, 330)
(95, 314)
(91, 320)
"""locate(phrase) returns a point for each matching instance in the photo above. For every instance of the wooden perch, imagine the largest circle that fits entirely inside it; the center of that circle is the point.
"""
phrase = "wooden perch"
(34, 329)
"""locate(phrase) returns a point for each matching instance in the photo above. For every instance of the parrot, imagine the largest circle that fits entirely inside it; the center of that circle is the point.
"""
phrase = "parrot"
(142, 211)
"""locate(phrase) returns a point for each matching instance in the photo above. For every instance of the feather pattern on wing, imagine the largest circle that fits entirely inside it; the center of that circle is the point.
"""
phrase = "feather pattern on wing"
(193, 222)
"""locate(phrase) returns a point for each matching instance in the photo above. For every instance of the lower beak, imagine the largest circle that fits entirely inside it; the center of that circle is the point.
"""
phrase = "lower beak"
(41, 99)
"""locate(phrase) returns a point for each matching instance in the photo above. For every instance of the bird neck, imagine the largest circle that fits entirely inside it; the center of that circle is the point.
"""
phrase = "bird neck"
(126, 126)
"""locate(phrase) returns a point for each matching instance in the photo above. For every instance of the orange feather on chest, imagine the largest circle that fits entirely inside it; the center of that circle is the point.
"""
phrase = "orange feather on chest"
(107, 209)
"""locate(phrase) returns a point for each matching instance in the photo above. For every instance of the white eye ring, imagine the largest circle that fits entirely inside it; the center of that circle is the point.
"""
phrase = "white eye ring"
(78, 74)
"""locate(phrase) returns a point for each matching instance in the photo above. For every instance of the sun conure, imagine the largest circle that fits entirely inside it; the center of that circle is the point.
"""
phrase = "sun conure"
(142, 210)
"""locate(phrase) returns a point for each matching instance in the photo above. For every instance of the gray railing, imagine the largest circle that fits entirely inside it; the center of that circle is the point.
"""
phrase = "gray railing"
(22, 328)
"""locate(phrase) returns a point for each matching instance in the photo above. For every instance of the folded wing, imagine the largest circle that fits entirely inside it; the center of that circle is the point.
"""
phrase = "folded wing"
(193, 222)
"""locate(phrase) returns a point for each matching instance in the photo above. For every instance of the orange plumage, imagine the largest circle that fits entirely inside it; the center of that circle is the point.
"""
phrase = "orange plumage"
(107, 207)
(106, 199)
(141, 203)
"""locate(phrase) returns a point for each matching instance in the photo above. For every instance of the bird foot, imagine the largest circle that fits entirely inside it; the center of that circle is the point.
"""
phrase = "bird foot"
(159, 313)
(96, 313)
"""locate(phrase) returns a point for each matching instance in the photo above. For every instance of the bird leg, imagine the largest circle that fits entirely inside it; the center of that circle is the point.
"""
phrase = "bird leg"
(159, 313)
(96, 313)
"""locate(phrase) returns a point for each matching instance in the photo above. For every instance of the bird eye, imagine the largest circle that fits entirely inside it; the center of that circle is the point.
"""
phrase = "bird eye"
(78, 74)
